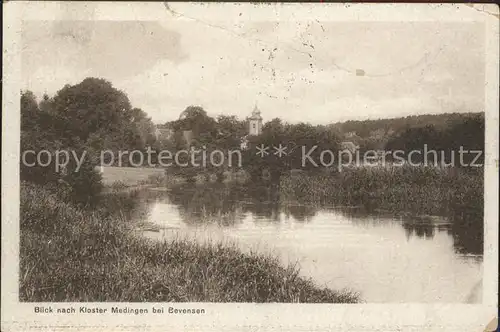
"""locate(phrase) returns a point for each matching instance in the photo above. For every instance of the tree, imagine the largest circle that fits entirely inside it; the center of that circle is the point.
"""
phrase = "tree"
(468, 134)
(230, 131)
(36, 135)
(415, 139)
(464, 130)
(293, 138)
(90, 116)
(193, 130)
(95, 109)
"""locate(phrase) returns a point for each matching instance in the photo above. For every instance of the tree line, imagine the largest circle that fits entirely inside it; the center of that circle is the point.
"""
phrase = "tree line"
(94, 116)
(440, 131)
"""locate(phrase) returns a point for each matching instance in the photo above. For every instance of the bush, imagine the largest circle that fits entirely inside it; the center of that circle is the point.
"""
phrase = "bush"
(85, 184)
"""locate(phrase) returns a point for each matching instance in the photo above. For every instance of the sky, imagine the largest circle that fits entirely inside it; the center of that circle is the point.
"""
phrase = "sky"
(308, 71)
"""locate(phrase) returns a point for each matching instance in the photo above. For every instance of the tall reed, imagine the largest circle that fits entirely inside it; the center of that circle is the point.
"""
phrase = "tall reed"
(421, 190)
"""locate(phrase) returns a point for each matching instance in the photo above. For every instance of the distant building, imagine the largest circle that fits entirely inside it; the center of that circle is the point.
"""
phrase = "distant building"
(188, 137)
(375, 156)
(255, 123)
(351, 136)
(163, 133)
(349, 147)
(377, 134)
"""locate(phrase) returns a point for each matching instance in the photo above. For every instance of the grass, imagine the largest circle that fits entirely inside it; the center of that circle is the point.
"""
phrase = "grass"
(118, 185)
(171, 180)
(129, 176)
(164, 180)
(415, 190)
(71, 254)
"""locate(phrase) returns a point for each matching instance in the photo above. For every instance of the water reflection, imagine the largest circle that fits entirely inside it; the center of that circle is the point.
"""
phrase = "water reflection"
(420, 230)
(228, 205)
(386, 257)
(468, 236)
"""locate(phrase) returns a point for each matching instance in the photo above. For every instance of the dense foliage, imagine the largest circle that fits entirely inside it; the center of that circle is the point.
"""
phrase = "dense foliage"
(466, 133)
(88, 117)
(228, 133)
(444, 132)
(93, 116)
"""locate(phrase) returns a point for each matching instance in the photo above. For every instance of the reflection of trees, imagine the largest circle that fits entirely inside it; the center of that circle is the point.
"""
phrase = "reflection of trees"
(302, 213)
(128, 205)
(467, 232)
(422, 230)
(214, 203)
(227, 204)
(412, 226)
(354, 213)
(262, 201)
(263, 211)
(468, 236)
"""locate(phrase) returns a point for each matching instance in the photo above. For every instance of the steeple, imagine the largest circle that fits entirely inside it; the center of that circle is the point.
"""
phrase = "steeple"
(255, 122)
(255, 113)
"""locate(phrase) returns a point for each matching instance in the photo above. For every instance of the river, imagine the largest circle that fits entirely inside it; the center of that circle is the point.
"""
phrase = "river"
(383, 257)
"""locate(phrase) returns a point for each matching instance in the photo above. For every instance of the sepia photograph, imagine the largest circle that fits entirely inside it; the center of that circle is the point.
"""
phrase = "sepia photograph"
(235, 158)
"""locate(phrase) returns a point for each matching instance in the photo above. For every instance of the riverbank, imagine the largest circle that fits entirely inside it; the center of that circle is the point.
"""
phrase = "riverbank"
(418, 191)
(409, 191)
(72, 254)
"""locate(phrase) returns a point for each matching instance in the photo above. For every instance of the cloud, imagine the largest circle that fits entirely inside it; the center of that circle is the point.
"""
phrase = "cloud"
(299, 71)
(114, 50)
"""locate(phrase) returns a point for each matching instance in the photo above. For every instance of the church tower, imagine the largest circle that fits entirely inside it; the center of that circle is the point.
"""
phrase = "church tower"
(255, 123)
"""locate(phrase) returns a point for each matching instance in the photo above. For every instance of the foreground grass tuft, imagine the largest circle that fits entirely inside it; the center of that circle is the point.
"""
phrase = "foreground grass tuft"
(69, 254)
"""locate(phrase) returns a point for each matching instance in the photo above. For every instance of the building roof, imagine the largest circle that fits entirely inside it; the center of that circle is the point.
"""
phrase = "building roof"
(349, 146)
(162, 132)
(255, 114)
